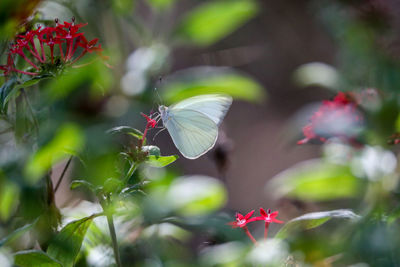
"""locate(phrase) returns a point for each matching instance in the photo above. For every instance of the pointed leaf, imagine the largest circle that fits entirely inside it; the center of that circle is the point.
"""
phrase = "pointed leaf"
(16, 233)
(67, 243)
(126, 130)
(161, 161)
(83, 183)
(5, 90)
(34, 258)
(314, 219)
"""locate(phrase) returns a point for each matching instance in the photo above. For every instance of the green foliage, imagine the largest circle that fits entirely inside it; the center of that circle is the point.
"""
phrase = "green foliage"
(5, 91)
(68, 140)
(83, 183)
(126, 130)
(196, 195)
(94, 77)
(9, 193)
(34, 258)
(67, 243)
(313, 220)
(16, 234)
(212, 21)
(160, 161)
(316, 180)
(206, 80)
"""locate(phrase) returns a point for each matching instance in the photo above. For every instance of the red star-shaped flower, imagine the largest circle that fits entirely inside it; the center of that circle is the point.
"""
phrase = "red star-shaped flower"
(268, 217)
(151, 123)
(242, 221)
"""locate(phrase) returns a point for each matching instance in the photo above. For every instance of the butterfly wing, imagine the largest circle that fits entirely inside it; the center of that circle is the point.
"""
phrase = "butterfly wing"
(214, 106)
(192, 132)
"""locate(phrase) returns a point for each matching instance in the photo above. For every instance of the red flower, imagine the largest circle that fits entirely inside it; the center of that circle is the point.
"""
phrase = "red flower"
(242, 221)
(151, 123)
(337, 118)
(268, 218)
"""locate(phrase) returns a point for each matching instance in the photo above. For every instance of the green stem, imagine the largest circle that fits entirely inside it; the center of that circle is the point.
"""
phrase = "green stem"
(130, 172)
(111, 228)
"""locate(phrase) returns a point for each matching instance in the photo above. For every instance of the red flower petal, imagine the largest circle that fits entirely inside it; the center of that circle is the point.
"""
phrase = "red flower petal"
(248, 215)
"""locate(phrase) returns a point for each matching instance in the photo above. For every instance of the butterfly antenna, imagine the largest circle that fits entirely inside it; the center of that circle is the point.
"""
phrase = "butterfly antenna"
(157, 93)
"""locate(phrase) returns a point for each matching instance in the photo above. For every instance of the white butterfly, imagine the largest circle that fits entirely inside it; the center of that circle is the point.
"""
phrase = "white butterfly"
(193, 123)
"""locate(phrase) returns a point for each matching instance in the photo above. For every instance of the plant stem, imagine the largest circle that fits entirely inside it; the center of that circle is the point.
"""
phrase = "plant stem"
(130, 172)
(111, 228)
(62, 174)
(266, 230)
(246, 230)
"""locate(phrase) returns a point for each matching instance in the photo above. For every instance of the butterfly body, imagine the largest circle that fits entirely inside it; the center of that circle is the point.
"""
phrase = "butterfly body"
(193, 123)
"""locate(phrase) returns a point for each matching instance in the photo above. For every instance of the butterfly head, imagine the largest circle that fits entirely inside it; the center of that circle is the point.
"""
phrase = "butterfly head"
(163, 112)
(162, 109)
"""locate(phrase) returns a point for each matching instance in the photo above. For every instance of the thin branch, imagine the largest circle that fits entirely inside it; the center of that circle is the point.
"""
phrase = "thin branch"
(62, 174)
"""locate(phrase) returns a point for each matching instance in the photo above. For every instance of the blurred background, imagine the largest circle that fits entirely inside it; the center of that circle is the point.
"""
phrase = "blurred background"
(278, 59)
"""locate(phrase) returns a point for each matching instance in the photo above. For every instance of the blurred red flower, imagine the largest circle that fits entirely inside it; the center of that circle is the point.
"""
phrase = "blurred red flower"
(339, 117)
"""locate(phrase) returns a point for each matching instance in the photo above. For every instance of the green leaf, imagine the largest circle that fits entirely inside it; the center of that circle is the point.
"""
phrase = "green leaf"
(214, 20)
(17, 233)
(208, 80)
(34, 80)
(67, 243)
(313, 220)
(95, 77)
(315, 180)
(196, 195)
(34, 258)
(112, 185)
(9, 197)
(25, 84)
(126, 130)
(161, 161)
(68, 140)
(83, 183)
(5, 90)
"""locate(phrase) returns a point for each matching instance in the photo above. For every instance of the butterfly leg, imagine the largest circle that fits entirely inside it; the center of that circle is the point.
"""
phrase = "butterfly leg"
(163, 128)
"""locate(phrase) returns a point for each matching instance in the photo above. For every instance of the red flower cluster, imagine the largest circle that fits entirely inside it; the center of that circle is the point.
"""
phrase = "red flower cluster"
(267, 217)
(64, 36)
(337, 118)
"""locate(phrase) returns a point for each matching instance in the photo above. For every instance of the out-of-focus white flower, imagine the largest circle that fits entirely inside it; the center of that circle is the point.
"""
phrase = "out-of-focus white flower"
(142, 62)
(374, 163)
(272, 252)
